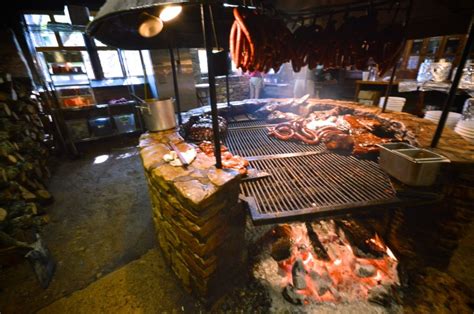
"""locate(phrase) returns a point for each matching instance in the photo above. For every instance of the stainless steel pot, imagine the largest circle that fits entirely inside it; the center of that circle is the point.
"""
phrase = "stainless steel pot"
(158, 114)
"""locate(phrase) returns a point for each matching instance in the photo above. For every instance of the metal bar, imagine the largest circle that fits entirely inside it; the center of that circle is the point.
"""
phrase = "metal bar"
(227, 93)
(330, 198)
(205, 20)
(277, 174)
(93, 56)
(454, 85)
(389, 86)
(341, 179)
(175, 85)
(392, 75)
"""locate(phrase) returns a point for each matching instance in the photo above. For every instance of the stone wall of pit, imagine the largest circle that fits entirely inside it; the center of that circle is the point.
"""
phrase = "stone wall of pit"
(198, 218)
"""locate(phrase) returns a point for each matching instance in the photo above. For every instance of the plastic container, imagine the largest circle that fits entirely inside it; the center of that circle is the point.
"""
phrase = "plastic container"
(410, 165)
(78, 129)
(125, 123)
(101, 126)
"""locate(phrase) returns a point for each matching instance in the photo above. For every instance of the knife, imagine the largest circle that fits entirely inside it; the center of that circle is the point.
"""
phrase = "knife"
(178, 152)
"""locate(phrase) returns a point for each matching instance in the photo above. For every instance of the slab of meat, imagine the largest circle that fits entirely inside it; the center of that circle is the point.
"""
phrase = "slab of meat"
(365, 143)
(199, 128)
(339, 141)
(278, 116)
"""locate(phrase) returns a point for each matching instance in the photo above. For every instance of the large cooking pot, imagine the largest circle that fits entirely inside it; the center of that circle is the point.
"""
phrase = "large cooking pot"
(158, 114)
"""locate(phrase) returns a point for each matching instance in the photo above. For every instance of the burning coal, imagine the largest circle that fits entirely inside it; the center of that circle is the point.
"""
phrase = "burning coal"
(332, 261)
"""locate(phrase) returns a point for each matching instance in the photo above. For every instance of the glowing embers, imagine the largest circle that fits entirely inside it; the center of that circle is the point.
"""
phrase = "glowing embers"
(344, 272)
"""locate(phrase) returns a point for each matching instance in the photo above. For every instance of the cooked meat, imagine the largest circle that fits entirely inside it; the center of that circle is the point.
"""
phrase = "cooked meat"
(339, 141)
(200, 128)
(365, 143)
(278, 116)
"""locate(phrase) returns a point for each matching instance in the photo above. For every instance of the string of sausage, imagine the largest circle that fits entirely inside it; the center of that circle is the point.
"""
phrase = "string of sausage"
(258, 42)
(297, 130)
(266, 46)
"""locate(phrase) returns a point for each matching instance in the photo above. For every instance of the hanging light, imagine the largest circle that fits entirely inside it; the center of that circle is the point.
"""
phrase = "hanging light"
(170, 12)
(121, 23)
(150, 25)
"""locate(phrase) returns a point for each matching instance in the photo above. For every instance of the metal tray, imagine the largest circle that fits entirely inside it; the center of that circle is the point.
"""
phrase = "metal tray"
(412, 166)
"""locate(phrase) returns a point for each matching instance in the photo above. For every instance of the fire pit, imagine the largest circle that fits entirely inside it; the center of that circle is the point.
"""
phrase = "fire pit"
(316, 265)
(332, 262)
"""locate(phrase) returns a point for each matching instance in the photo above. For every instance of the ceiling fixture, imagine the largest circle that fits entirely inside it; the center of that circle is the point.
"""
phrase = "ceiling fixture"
(170, 12)
(150, 25)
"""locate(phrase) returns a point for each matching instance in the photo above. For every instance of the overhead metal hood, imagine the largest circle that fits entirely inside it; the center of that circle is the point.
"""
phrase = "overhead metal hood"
(116, 24)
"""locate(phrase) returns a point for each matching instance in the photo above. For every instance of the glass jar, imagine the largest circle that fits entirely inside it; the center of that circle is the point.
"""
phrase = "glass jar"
(468, 109)
(372, 73)
(424, 72)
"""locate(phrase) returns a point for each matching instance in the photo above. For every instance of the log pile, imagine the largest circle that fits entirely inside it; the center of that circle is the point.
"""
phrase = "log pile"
(23, 168)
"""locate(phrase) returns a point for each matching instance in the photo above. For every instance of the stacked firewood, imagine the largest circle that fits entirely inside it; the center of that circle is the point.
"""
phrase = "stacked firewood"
(23, 158)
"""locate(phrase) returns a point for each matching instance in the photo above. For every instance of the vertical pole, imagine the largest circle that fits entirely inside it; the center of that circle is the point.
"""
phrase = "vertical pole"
(389, 87)
(392, 76)
(205, 20)
(227, 89)
(175, 84)
(454, 85)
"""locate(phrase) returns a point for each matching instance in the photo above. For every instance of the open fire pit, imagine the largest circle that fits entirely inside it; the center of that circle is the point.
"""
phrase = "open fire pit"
(329, 261)
(315, 265)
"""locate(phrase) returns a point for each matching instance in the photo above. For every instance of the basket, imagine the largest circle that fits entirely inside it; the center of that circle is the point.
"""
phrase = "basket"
(78, 129)
(125, 123)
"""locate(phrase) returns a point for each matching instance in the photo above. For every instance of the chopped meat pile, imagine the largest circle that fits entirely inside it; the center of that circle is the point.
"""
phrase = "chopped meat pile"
(229, 161)
(347, 132)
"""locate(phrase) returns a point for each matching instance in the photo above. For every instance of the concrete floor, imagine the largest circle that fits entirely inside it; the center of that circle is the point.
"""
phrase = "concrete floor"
(100, 221)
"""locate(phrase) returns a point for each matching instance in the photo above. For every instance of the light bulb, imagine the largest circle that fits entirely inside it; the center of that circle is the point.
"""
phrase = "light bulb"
(170, 12)
(150, 26)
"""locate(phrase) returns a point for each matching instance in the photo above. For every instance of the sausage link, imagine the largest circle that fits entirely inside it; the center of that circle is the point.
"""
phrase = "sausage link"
(284, 137)
(238, 49)
(239, 19)
(232, 40)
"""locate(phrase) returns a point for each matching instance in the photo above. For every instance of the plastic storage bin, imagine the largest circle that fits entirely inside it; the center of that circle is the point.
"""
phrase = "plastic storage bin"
(78, 129)
(125, 123)
(101, 126)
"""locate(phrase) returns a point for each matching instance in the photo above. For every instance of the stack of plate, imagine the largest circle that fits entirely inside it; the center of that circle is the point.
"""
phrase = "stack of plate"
(435, 115)
(465, 128)
(393, 103)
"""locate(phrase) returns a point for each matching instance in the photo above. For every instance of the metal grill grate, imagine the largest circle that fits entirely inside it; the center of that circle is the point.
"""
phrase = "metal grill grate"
(254, 142)
(318, 184)
(248, 124)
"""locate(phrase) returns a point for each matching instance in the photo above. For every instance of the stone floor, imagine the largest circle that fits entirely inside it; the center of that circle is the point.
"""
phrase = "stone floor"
(100, 221)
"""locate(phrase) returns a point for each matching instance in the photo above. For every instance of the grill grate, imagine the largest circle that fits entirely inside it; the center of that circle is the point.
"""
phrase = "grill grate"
(248, 124)
(306, 179)
(318, 184)
(254, 142)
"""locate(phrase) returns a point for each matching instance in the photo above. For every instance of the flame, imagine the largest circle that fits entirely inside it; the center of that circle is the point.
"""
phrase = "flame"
(390, 254)
(378, 276)
(349, 248)
(340, 274)
(377, 241)
(309, 258)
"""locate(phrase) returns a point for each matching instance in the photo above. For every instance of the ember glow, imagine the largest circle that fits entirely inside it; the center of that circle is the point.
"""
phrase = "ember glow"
(377, 241)
(341, 275)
